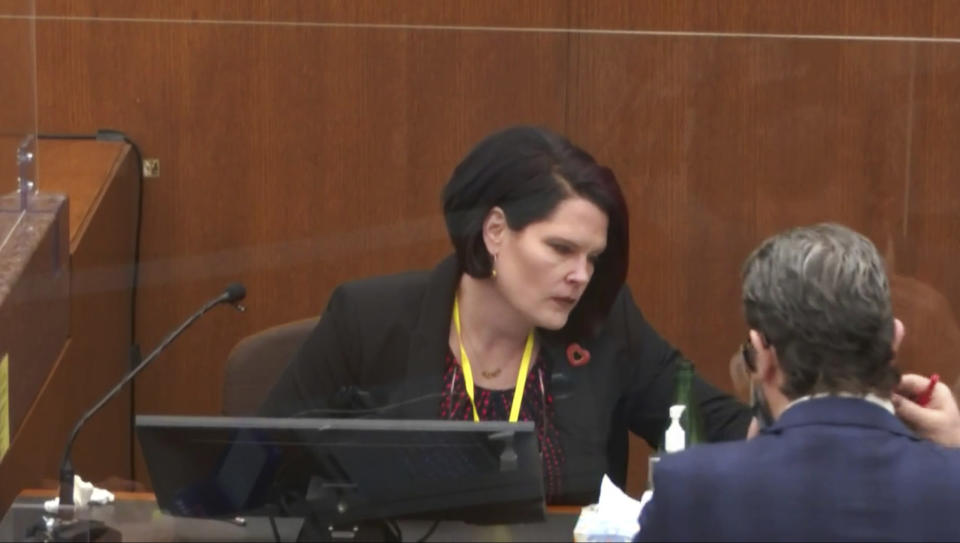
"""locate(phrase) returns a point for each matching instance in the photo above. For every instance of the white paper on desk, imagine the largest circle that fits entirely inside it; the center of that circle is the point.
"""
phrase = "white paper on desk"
(84, 494)
(614, 502)
(615, 517)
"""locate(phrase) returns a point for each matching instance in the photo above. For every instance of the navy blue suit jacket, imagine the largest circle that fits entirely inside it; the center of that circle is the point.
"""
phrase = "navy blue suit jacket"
(829, 469)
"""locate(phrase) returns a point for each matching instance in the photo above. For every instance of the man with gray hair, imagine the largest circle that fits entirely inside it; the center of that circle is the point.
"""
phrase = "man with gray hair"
(835, 463)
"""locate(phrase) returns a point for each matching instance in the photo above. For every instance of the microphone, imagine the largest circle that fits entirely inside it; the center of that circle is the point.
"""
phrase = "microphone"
(231, 295)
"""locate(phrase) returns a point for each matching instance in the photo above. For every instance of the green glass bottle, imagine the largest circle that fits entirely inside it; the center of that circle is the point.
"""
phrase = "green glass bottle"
(690, 419)
(684, 427)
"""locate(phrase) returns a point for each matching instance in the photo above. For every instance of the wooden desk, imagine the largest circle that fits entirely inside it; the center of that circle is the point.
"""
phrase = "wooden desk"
(136, 516)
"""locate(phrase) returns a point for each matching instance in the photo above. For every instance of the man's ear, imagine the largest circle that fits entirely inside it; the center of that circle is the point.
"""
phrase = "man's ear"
(898, 332)
(768, 366)
(494, 229)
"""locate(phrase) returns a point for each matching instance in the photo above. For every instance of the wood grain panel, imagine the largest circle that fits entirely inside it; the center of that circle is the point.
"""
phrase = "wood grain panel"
(286, 162)
(928, 244)
(18, 92)
(517, 13)
(937, 18)
(17, 7)
(95, 303)
(78, 169)
(297, 157)
(721, 142)
(854, 17)
(100, 296)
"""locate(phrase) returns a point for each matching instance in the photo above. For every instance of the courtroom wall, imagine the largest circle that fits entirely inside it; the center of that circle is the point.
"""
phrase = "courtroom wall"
(304, 143)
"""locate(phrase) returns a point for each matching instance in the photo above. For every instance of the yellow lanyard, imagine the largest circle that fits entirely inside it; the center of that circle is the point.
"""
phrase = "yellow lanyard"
(468, 375)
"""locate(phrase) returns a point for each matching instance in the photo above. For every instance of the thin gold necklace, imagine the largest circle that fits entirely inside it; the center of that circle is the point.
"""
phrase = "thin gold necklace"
(487, 374)
(468, 375)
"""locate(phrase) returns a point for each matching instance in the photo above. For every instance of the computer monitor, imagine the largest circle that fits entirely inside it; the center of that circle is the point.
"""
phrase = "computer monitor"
(344, 470)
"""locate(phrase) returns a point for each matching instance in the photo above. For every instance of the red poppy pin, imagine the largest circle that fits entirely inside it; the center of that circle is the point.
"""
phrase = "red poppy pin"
(577, 355)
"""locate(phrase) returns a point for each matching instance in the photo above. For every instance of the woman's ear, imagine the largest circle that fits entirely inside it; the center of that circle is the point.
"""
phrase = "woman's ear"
(494, 229)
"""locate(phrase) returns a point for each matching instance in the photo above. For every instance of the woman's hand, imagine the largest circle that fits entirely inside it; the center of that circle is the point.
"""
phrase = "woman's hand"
(939, 420)
(754, 428)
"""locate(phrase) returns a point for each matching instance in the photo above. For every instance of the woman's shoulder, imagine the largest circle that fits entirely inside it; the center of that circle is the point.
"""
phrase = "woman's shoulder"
(627, 326)
(623, 311)
(384, 291)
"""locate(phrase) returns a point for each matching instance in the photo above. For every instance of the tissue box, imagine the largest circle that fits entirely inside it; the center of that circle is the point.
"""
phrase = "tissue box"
(593, 525)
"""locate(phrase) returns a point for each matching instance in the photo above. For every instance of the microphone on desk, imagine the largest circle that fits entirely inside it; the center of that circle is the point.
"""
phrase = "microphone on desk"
(231, 295)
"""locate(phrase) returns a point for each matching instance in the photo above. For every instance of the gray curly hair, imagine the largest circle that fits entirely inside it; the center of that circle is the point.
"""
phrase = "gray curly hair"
(819, 294)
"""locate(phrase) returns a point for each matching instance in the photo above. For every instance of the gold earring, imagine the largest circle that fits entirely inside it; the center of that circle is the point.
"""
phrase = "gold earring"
(493, 268)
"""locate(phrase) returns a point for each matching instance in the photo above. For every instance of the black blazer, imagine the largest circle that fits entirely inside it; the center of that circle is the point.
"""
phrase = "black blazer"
(384, 341)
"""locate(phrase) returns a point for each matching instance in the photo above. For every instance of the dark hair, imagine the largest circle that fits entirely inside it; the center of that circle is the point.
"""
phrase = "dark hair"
(820, 296)
(527, 171)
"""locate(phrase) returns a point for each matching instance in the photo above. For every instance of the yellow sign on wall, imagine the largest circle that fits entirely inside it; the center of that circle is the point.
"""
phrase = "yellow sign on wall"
(4, 405)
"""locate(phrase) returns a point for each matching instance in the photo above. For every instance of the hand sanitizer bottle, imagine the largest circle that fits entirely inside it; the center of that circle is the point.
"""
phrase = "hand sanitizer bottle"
(675, 438)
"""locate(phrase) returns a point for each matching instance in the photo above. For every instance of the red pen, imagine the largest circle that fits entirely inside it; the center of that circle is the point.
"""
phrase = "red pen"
(924, 398)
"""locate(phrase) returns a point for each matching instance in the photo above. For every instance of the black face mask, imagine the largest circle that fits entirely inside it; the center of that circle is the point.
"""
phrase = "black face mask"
(758, 403)
(759, 407)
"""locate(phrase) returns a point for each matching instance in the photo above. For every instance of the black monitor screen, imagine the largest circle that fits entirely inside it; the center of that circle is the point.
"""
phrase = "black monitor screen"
(344, 469)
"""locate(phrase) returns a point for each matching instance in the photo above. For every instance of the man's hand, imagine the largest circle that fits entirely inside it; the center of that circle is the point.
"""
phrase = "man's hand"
(939, 421)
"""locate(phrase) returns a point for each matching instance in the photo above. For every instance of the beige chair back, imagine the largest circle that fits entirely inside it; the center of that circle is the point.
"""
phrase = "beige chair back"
(255, 364)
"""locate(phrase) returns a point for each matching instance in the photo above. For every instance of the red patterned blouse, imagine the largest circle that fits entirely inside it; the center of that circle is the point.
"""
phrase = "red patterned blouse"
(537, 405)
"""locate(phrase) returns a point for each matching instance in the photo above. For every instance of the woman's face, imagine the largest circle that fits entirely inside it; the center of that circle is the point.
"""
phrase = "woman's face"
(543, 269)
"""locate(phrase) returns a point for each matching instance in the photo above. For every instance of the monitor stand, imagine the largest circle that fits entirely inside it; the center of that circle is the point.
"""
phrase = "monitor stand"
(315, 529)
(71, 530)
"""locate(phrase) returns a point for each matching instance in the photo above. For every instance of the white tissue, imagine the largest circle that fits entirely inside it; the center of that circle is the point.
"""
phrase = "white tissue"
(84, 494)
(615, 517)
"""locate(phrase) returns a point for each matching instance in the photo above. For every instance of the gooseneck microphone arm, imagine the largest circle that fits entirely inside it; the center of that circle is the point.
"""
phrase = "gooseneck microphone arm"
(233, 294)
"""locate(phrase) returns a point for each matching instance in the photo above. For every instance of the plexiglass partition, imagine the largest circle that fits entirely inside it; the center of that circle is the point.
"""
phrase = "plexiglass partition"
(18, 124)
(18, 112)
(307, 147)
(34, 268)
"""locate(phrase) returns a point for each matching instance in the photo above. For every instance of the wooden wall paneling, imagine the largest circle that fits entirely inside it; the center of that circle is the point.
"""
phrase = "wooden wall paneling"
(848, 17)
(17, 7)
(80, 170)
(69, 333)
(296, 157)
(832, 136)
(18, 65)
(18, 93)
(945, 20)
(291, 158)
(520, 13)
(720, 142)
(871, 17)
(102, 180)
(926, 288)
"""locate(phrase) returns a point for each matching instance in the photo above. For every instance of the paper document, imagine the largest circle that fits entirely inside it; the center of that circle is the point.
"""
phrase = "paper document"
(613, 518)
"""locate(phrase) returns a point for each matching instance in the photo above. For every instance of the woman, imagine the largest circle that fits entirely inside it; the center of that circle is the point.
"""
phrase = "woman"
(532, 310)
